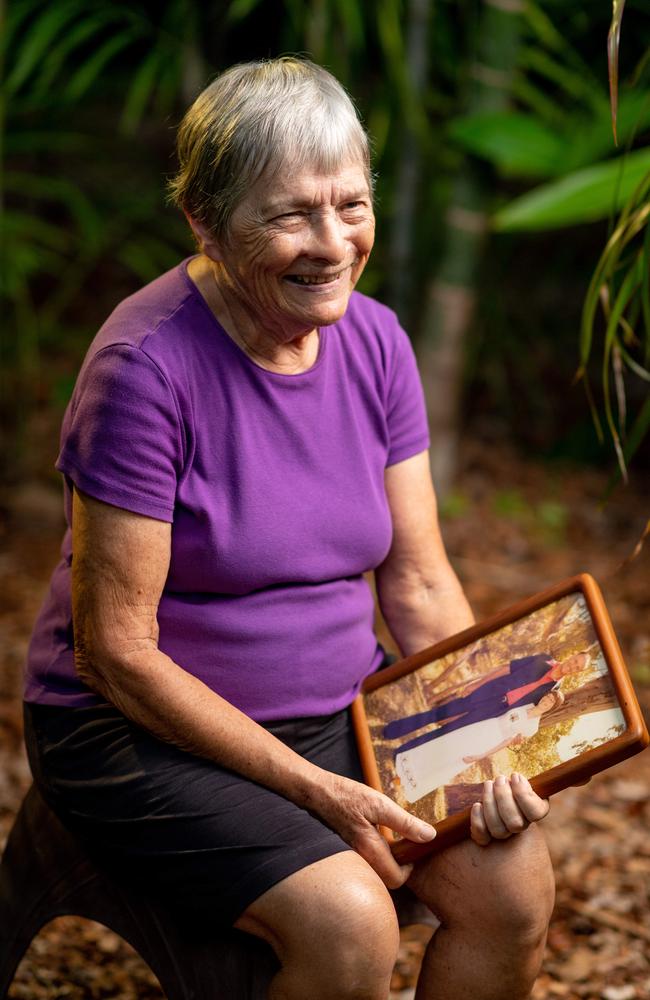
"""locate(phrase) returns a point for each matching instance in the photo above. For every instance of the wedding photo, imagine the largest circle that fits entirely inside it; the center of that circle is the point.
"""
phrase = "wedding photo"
(527, 697)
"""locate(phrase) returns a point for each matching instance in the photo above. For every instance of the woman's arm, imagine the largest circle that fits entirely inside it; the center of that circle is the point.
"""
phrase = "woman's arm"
(418, 592)
(120, 565)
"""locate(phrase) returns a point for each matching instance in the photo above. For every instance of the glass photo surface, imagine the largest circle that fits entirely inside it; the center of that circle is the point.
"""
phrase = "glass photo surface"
(527, 697)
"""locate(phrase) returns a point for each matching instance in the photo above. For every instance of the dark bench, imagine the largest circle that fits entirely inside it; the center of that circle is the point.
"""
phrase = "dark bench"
(46, 873)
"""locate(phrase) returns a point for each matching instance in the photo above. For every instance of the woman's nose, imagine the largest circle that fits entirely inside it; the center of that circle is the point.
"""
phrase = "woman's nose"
(328, 239)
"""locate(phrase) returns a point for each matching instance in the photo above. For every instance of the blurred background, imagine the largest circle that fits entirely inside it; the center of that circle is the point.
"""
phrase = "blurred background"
(513, 242)
(498, 184)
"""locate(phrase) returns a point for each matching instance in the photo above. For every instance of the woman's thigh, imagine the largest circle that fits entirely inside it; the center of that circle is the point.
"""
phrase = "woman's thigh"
(182, 828)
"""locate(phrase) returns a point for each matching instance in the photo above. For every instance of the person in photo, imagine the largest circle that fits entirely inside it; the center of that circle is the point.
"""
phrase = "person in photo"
(435, 763)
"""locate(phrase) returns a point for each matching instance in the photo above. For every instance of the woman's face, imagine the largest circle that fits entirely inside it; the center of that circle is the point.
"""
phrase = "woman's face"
(297, 246)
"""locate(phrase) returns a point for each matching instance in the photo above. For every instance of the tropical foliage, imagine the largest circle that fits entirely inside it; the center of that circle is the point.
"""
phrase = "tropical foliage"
(484, 118)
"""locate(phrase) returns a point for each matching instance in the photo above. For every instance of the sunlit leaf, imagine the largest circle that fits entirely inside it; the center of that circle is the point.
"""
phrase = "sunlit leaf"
(519, 145)
(582, 196)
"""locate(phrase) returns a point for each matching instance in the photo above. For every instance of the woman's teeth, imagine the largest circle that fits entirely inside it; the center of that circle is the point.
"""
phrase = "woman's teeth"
(311, 279)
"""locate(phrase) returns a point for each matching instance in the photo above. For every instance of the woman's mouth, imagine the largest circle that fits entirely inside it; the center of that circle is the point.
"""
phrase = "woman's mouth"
(313, 279)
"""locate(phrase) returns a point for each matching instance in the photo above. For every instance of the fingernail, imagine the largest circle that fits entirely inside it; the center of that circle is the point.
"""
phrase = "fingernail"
(427, 832)
(515, 777)
(500, 781)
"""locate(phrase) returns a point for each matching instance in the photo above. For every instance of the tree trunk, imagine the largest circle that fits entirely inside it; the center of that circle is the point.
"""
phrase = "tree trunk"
(408, 175)
(451, 296)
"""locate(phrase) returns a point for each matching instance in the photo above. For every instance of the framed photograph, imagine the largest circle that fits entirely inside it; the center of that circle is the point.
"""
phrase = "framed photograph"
(540, 688)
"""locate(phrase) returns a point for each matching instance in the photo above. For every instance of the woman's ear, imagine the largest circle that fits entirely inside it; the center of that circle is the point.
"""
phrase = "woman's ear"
(205, 240)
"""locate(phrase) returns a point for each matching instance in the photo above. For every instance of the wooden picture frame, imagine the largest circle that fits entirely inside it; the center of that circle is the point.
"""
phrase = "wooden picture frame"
(422, 717)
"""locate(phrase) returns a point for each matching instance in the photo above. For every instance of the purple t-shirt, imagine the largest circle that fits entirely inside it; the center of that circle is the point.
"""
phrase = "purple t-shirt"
(273, 484)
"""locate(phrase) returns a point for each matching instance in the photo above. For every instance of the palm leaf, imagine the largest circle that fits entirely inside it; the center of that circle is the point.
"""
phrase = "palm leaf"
(141, 88)
(39, 39)
(90, 70)
(58, 189)
(630, 283)
(49, 69)
(629, 226)
(645, 294)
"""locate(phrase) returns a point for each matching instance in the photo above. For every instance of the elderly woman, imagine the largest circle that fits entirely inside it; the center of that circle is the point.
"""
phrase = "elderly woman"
(246, 440)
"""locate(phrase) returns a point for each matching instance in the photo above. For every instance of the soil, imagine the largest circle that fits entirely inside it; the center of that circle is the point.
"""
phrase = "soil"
(513, 527)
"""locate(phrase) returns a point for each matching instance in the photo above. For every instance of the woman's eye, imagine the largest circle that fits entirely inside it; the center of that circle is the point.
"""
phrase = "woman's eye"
(355, 208)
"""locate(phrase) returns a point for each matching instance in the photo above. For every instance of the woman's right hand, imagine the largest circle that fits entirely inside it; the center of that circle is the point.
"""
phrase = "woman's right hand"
(354, 811)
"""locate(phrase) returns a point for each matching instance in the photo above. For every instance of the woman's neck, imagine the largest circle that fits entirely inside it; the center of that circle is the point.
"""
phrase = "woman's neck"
(288, 357)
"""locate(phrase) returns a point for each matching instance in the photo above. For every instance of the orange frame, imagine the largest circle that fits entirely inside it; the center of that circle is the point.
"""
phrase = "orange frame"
(571, 772)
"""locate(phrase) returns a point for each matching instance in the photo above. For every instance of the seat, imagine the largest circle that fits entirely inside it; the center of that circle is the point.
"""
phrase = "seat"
(46, 873)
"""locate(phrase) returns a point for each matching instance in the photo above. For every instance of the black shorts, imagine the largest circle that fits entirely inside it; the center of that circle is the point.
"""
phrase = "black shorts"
(183, 829)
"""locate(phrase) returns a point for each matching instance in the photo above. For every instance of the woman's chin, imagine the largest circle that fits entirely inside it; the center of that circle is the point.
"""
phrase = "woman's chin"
(327, 312)
(318, 305)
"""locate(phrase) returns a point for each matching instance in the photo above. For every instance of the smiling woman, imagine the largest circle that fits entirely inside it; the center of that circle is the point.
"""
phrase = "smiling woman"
(246, 441)
(275, 181)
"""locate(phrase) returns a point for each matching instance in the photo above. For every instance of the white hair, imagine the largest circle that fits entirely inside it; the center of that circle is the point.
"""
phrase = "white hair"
(257, 117)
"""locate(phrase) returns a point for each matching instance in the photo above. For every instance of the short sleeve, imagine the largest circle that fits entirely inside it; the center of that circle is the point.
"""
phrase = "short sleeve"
(122, 438)
(406, 410)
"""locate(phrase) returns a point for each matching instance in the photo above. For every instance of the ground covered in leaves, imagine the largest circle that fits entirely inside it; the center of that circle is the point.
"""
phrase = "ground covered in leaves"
(512, 528)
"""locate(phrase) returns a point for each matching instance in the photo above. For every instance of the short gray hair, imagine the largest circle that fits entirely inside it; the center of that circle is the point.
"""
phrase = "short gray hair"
(258, 116)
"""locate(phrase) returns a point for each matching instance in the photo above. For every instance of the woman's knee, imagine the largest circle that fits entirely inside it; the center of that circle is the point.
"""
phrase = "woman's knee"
(332, 923)
(507, 887)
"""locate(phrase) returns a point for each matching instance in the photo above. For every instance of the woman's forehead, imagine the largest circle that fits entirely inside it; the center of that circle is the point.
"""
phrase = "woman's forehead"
(310, 182)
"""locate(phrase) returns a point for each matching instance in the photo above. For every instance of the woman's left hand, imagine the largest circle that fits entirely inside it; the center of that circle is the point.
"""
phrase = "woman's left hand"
(508, 807)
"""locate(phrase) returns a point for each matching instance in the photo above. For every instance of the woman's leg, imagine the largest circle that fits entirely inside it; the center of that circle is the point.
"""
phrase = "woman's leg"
(494, 904)
(334, 929)
(219, 849)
